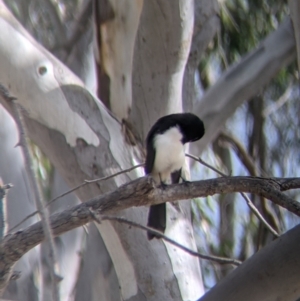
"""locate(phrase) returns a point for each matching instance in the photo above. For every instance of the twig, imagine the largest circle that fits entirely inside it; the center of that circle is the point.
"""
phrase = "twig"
(115, 174)
(38, 198)
(122, 220)
(246, 198)
(86, 182)
(3, 205)
(241, 153)
(23, 221)
(280, 101)
(250, 166)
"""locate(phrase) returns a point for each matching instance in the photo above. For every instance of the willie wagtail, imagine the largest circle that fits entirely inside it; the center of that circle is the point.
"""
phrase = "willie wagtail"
(165, 155)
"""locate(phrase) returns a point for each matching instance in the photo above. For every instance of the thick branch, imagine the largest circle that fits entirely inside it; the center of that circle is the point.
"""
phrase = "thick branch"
(142, 192)
(270, 274)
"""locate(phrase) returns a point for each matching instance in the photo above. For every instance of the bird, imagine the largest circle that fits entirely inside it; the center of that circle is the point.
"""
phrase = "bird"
(165, 156)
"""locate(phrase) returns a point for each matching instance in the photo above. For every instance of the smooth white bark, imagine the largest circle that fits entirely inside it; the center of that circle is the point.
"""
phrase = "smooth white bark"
(161, 52)
(117, 45)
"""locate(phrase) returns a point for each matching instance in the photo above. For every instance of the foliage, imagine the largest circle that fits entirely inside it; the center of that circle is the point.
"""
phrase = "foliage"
(271, 119)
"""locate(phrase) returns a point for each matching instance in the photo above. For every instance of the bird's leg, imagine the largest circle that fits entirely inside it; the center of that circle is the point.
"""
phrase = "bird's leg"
(162, 183)
(184, 181)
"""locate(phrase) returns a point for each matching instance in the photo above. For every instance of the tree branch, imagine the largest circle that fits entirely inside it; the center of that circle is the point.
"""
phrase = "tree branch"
(86, 182)
(240, 152)
(245, 197)
(142, 192)
(218, 259)
(43, 212)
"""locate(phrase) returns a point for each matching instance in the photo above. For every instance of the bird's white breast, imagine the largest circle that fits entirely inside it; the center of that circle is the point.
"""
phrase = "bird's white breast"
(169, 153)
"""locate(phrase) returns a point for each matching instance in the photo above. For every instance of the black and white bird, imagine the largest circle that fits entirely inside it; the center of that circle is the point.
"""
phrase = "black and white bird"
(166, 156)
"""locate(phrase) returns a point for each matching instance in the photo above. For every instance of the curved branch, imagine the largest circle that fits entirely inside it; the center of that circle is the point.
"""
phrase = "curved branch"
(218, 259)
(142, 192)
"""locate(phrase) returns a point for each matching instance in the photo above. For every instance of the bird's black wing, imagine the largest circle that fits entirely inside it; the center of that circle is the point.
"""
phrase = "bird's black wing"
(161, 125)
(157, 213)
(175, 176)
(150, 157)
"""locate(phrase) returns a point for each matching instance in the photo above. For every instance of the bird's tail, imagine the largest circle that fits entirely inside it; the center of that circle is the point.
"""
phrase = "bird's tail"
(157, 214)
(157, 219)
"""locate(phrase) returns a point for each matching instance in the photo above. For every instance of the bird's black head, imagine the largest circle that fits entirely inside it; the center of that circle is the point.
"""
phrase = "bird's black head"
(191, 126)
